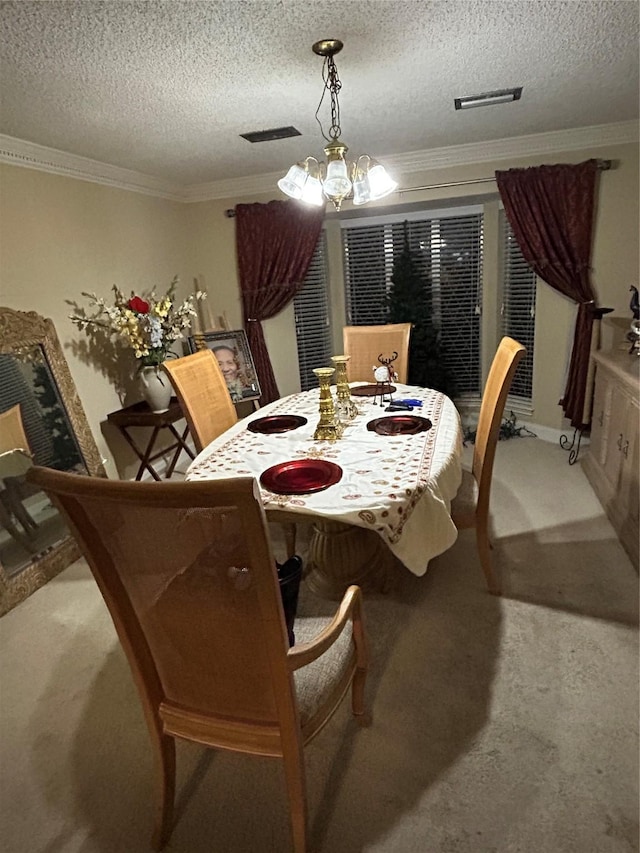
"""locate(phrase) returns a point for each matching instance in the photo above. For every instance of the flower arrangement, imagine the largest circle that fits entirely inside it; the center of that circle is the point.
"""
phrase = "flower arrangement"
(148, 324)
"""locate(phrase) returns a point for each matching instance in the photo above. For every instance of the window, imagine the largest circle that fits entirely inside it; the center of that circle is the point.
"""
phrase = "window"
(313, 328)
(447, 247)
(518, 310)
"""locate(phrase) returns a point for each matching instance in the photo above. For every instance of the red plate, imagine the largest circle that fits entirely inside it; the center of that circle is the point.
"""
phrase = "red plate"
(399, 425)
(372, 390)
(301, 476)
(276, 423)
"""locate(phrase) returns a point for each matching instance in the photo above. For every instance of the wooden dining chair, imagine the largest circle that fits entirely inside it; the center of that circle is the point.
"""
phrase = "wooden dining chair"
(188, 575)
(363, 344)
(470, 507)
(15, 460)
(203, 395)
(208, 409)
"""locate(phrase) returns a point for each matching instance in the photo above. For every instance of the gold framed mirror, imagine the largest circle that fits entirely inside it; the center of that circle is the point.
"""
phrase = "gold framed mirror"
(39, 408)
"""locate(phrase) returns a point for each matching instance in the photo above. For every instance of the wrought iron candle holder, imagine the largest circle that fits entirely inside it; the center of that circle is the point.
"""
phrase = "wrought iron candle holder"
(346, 409)
(329, 428)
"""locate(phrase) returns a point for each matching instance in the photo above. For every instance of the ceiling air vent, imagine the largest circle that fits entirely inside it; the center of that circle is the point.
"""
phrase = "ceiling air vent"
(486, 99)
(268, 135)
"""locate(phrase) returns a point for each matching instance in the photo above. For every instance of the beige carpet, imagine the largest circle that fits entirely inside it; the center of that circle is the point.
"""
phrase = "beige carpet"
(500, 725)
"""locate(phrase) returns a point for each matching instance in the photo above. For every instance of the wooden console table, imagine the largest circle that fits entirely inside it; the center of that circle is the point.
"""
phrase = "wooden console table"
(612, 465)
(140, 415)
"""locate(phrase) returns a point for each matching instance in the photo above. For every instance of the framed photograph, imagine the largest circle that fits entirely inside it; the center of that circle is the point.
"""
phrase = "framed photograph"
(231, 348)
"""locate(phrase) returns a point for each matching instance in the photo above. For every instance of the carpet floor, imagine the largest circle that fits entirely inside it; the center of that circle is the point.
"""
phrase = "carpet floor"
(500, 725)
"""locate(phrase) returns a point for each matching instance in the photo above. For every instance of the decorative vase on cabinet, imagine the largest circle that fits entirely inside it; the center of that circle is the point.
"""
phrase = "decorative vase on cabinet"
(156, 388)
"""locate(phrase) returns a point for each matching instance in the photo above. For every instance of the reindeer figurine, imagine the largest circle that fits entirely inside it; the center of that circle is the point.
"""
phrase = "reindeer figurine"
(384, 375)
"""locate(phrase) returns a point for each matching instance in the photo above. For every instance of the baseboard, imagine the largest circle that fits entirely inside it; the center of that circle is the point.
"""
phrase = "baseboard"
(544, 433)
(552, 435)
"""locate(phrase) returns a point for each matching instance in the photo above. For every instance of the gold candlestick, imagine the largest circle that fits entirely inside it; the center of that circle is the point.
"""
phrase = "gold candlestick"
(328, 428)
(346, 408)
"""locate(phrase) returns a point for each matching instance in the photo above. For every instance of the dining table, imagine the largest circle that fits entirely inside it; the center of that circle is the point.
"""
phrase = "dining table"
(378, 497)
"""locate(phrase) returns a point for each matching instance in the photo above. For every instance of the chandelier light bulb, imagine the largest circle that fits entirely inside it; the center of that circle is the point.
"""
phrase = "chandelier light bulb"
(294, 181)
(337, 182)
(380, 183)
(312, 192)
(361, 191)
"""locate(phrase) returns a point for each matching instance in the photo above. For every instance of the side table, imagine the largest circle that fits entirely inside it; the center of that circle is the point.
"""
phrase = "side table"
(140, 415)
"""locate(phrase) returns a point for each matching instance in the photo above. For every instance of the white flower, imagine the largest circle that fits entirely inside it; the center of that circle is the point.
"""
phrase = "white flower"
(148, 324)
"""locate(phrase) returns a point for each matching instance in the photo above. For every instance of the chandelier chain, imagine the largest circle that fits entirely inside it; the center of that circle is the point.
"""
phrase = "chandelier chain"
(332, 84)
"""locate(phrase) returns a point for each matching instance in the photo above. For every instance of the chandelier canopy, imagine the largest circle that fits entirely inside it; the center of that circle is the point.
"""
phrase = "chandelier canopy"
(313, 181)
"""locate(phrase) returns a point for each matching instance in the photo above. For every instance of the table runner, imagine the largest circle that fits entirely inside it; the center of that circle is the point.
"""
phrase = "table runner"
(399, 486)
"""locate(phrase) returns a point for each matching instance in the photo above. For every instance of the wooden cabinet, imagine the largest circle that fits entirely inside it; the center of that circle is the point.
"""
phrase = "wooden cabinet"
(613, 461)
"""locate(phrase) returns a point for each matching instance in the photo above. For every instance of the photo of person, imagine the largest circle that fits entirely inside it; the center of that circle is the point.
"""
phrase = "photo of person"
(231, 350)
(235, 373)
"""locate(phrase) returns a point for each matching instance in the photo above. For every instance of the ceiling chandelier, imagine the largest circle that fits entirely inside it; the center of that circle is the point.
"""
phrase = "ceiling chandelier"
(313, 181)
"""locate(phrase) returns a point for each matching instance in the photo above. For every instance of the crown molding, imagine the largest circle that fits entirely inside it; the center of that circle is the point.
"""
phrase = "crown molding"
(18, 152)
(232, 188)
(597, 136)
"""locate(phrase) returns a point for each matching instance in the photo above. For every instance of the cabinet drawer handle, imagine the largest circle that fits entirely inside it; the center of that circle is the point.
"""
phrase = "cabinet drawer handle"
(619, 442)
(625, 449)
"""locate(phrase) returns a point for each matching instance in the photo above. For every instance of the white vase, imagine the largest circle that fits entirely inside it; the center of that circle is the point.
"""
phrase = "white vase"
(156, 388)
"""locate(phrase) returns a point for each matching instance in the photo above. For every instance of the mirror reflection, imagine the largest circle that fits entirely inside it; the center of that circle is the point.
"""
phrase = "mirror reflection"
(34, 430)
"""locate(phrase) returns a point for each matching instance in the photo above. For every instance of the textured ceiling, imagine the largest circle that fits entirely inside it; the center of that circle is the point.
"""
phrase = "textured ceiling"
(165, 88)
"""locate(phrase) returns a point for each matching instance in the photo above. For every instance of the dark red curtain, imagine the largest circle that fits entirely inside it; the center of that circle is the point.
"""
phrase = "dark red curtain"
(275, 243)
(551, 211)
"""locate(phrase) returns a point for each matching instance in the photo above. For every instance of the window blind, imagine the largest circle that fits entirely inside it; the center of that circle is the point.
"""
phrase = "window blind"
(313, 328)
(518, 312)
(447, 249)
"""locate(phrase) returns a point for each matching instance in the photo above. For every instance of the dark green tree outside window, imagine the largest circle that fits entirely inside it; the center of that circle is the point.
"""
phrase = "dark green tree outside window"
(410, 300)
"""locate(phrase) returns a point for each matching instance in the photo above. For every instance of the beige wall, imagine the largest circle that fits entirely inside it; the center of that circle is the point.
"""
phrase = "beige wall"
(60, 236)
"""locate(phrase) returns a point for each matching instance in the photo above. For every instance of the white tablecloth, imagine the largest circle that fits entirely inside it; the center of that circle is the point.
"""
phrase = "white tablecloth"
(399, 486)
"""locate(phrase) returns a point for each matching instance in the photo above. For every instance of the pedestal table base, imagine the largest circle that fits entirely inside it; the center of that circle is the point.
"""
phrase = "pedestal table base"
(342, 554)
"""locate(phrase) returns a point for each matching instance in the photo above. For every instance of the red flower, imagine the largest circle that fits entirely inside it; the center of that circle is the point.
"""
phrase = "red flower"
(138, 305)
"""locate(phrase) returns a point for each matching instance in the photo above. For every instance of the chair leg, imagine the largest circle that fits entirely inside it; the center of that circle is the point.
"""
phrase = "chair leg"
(289, 530)
(484, 551)
(362, 716)
(165, 754)
(297, 793)
(12, 530)
(14, 499)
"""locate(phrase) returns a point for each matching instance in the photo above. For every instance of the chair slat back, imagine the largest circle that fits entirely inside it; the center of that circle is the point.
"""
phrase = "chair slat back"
(189, 577)
(365, 343)
(494, 397)
(203, 395)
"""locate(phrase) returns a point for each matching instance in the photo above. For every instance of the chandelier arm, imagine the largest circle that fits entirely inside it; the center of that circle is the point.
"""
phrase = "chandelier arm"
(362, 169)
(318, 170)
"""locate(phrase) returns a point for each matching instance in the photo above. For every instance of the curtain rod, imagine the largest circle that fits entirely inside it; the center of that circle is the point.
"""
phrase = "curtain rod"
(603, 166)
